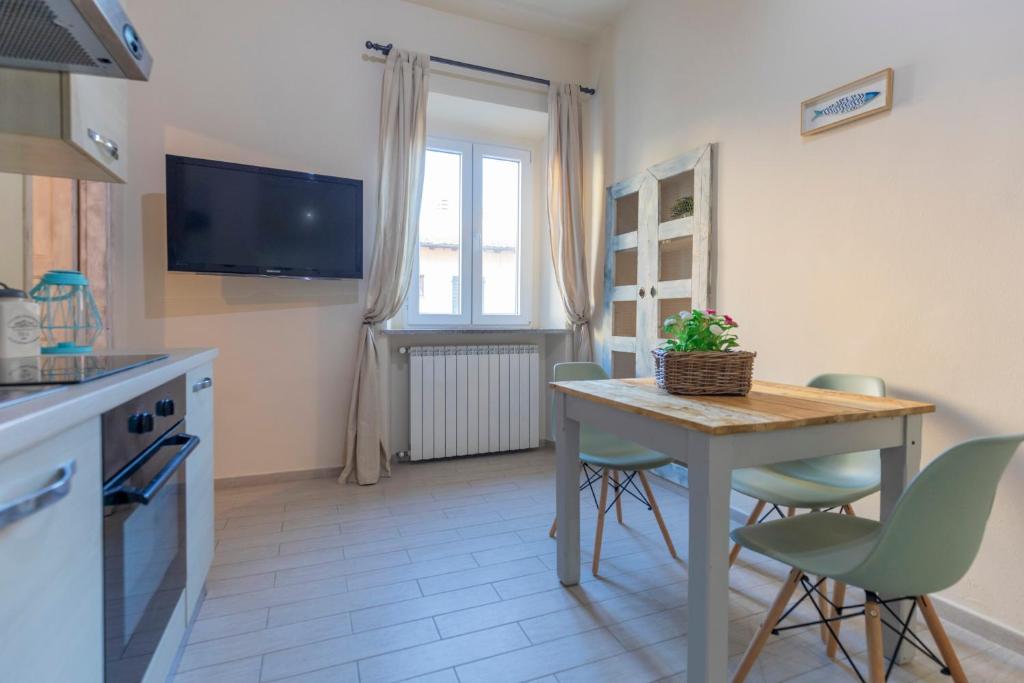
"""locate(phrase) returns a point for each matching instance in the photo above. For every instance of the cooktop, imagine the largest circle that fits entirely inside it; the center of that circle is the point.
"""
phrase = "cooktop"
(58, 369)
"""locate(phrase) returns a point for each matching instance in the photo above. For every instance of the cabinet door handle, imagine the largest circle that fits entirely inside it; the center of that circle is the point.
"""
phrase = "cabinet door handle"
(204, 383)
(37, 500)
(108, 143)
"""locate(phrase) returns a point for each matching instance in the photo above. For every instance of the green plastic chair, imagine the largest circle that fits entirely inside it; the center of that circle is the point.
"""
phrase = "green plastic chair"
(830, 481)
(927, 545)
(605, 456)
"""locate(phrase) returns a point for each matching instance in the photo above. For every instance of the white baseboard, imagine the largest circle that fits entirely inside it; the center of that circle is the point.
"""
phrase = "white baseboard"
(275, 477)
(967, 619)
(980, 625)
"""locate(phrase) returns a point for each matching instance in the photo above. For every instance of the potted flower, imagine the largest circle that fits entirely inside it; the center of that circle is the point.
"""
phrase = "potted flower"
(701, 356)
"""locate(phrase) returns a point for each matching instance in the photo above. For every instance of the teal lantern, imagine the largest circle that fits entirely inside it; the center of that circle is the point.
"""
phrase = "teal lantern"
(69, 317)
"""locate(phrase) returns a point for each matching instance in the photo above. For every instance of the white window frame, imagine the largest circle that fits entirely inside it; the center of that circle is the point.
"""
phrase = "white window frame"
(464, 317)
(471, 278)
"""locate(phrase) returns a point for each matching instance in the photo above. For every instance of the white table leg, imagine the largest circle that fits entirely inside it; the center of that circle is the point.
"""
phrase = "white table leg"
(709, 470)
(899, 466)
(567, 492)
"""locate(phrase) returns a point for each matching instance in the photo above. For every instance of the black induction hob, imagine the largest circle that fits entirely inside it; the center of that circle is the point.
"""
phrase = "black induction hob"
(58, 369)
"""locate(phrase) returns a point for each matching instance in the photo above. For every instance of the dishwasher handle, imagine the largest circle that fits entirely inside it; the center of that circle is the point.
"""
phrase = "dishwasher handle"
(122, 495)
(27, 505)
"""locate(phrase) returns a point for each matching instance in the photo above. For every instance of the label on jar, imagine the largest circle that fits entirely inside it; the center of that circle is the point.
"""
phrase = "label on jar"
(23, 329)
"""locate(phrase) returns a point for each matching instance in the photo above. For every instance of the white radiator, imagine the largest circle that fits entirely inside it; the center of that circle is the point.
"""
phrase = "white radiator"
(465, 400)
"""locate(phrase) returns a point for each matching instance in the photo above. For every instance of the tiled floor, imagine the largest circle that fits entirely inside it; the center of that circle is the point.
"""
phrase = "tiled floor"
(445, 573)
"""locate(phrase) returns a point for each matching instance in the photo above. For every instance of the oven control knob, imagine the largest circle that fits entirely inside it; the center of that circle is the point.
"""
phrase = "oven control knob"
(165, 407)
(140, 423)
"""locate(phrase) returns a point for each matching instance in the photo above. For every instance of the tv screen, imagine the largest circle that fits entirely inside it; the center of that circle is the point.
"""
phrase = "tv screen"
(245, 220)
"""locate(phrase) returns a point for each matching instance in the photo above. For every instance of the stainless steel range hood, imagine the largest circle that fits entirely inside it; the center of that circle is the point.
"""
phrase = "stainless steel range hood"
(83, 36)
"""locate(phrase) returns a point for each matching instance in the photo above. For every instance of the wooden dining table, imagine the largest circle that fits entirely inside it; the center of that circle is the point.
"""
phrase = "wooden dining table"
(712, 436)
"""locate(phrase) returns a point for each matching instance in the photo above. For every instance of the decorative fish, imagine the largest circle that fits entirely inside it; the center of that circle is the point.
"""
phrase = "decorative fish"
(845, 105)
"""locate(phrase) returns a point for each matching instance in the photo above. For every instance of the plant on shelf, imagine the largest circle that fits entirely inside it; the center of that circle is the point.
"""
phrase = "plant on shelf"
(701, 356)
(683, 207)
(700, 331)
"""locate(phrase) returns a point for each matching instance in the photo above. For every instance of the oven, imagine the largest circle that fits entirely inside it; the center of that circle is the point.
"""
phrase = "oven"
(145, 449)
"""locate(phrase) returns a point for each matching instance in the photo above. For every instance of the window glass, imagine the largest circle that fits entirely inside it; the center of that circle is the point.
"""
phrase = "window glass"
(500, 223)
(440, 238)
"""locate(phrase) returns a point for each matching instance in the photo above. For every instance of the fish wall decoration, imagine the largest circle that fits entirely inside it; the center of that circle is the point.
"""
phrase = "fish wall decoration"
(864, 97)
(847, 104)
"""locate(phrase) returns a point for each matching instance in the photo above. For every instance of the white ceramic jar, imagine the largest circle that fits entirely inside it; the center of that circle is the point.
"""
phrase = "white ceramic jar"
(19, 324)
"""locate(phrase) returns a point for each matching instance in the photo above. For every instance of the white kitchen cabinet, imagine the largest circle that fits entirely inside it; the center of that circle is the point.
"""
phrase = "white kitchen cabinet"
(199, 475)
(63, 125)
(51, 561)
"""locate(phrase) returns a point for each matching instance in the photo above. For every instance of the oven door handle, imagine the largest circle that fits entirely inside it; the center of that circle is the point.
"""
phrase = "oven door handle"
(128, 494)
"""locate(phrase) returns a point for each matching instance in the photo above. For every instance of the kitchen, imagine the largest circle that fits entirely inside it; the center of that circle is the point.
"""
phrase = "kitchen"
(510, 340)
(106, 456)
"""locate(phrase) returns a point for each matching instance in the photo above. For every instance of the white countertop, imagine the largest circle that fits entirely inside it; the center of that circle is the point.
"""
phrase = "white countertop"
(26, 423)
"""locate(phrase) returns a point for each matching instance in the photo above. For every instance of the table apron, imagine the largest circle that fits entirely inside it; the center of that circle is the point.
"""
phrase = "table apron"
(750, 448)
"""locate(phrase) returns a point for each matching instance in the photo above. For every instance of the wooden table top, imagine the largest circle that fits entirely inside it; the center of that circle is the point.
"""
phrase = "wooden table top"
(768, 406)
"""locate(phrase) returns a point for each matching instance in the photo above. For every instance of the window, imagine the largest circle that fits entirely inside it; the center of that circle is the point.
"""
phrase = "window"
(471, 253)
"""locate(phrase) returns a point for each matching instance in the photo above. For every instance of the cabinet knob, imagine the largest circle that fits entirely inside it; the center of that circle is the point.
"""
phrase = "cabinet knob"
(654, 292)
(642, 293)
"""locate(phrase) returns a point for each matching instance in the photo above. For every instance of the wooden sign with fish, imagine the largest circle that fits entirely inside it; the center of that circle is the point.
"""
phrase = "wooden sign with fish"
(863, 97)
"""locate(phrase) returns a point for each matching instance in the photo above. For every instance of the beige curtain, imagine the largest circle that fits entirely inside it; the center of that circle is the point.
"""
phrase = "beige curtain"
(565, 212)
(403, 140)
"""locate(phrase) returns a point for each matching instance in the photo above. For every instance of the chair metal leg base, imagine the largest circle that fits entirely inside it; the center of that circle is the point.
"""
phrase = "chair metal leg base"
(610, 478)
(879, 615)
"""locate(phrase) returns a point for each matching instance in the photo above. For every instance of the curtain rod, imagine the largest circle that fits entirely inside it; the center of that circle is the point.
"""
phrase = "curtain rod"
(385, 49)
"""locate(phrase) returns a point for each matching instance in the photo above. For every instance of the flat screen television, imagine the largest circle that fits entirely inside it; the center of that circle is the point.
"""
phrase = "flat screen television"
(232, 219)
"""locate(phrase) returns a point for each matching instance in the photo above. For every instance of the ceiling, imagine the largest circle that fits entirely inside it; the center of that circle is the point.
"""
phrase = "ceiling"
(579, 20)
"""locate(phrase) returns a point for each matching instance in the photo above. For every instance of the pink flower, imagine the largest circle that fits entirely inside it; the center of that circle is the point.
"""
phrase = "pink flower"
(711, 311)
(728, 319)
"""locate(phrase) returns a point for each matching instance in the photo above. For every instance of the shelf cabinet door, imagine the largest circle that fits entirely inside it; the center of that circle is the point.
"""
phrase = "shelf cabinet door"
(95, 121)
(624, 269)
(51, 564)
(199, 477)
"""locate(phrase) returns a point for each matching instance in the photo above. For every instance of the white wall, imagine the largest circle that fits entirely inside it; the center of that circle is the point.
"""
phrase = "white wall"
(286, 85)
(12, 231)
(891, 246)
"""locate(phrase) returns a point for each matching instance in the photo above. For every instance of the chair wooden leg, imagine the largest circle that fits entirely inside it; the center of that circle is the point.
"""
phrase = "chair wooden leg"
(752, 519)
(931, 618)
(554, 527)
(657, 514)
(761, 637)
(618, 496)
(825, 609)
(791, 511)
(599, 534)
(838, 597)
(873, 630)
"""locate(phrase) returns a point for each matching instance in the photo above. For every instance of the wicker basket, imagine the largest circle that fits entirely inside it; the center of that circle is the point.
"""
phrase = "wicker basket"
(704, 373)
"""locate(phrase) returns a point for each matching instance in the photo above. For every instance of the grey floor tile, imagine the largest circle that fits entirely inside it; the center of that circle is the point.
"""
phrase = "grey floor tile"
(346, 649)
(442, 654)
